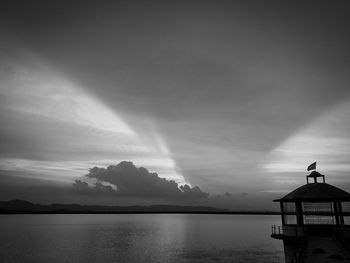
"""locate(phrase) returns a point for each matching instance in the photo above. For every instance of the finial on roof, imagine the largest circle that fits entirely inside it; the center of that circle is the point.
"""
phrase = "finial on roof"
(315, 175)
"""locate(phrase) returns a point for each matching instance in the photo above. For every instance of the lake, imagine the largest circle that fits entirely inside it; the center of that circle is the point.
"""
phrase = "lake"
(139, 238)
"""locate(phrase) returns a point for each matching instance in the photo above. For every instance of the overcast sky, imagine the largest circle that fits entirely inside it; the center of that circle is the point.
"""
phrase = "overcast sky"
(234, 98)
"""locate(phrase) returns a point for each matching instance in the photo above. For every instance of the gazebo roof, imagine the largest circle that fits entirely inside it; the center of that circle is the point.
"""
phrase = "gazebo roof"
(321, 192)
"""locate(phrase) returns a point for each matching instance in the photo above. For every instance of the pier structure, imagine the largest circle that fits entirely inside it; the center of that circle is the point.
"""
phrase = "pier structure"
(315, 222)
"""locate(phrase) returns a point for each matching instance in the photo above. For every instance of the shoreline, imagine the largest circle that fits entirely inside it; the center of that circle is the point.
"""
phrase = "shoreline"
(25, 207)
(134, 212)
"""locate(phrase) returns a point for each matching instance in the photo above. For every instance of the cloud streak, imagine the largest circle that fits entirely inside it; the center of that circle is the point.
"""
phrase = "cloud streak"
(224, 95)
(55, 128)
(325, 140)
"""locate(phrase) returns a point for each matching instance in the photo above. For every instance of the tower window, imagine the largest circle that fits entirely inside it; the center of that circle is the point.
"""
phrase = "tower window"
(289, 207)
(345, 206)
(325, 207)
(319, 220)
(290, 219)
(346, 220)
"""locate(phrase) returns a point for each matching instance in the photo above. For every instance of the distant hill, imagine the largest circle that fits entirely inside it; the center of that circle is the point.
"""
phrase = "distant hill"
(25, 207)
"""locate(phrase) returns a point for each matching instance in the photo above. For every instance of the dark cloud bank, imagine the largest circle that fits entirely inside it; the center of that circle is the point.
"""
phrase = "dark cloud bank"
(126, 184)
(125, 179)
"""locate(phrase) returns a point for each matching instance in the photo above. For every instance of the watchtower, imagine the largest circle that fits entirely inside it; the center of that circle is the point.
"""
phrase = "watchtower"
(314, 209)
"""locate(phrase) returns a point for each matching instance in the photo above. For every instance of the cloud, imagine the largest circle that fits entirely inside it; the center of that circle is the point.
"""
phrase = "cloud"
(80, 185)
(18, 185)
(228, 195)
(103, 188)
(194, 192)
(130, 180)
(83, 187)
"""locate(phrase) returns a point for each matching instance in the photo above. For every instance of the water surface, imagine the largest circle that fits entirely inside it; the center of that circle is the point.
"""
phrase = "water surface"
(138, 238)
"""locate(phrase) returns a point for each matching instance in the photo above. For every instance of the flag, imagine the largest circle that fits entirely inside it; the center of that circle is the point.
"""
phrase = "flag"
(312, 166)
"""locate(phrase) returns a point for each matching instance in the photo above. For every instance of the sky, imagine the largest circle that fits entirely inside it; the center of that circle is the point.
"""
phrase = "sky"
(237, 98)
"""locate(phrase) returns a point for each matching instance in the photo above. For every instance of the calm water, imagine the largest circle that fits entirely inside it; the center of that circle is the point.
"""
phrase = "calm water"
(138, 238)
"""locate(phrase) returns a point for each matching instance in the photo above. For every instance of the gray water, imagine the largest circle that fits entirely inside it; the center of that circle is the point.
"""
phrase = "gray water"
(138, 238)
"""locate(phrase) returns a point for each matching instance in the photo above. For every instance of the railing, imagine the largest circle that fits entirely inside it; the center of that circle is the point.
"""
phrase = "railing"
(276, 230)
(299, 254)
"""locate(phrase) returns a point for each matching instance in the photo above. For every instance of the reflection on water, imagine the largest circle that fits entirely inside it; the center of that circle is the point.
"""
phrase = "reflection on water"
(138, 238)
